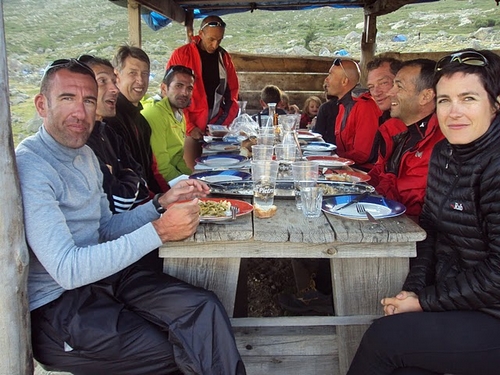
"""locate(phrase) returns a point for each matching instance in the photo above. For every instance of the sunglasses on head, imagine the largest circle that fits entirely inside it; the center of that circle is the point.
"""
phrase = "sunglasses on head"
(85, 58)
(338, 62)
(178, 69)
(214, 24)
(471, 58)
(66, 63)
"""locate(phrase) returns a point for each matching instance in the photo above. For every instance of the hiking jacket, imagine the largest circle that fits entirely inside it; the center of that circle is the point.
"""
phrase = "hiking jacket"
(136, 133)
(325, 120)
(458, 264)
(385, 144)
(167, 139)
(404, 178)
(123, 178)
(355, 127)
(197, 113)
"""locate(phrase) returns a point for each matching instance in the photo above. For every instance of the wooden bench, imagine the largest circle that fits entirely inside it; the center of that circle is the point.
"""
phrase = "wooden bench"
(299, 76)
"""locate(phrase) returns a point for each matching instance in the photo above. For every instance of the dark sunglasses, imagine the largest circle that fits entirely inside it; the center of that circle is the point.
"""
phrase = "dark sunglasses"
(85, 58)
(178, 69)
(472, 58)
(338, 62)
(66, 63)
(214, 24)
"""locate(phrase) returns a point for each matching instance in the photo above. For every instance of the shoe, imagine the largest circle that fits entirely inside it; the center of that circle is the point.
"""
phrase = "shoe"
(308, 301)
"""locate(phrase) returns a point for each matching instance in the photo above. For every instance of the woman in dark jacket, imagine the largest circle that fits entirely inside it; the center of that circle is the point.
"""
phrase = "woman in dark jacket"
(447, 317)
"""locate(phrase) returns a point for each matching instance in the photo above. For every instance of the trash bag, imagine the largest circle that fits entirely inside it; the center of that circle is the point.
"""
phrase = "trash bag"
(243, 127)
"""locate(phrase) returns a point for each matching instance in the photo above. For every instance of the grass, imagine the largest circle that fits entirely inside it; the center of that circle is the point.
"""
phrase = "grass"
(38, 32)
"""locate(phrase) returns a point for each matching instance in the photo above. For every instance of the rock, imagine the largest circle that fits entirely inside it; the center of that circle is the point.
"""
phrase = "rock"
(483, 33)
(353, 35)
(324, 52)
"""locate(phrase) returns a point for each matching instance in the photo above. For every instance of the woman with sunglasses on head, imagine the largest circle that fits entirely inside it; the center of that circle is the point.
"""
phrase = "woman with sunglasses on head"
(446, 319)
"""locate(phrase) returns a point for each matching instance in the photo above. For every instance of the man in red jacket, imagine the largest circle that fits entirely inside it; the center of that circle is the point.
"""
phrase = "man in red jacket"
(357, 119)
(380, 80)
(404, 171)
(215, 93)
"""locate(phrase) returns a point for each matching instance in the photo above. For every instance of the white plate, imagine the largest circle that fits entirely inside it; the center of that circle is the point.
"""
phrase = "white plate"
(319, 146)
(221, 162)
(379, 207)
(219, 178)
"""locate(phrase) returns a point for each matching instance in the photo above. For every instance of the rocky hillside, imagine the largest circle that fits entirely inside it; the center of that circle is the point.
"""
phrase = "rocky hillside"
(40, 31)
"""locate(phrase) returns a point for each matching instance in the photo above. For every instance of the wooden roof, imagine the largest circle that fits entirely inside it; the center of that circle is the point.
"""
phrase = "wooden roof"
(184, 10)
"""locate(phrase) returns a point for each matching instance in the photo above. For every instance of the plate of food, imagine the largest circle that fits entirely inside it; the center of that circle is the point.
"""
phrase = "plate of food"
(220, 146)
(286, 189)
(221, 160)
(347, 176)
(219, 209)
(379, 207)
(330, 161)
(318, 147)
(219, 176)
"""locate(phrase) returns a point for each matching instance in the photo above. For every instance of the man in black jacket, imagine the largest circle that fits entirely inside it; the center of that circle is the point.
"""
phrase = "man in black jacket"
(132, 68)
(123, 181)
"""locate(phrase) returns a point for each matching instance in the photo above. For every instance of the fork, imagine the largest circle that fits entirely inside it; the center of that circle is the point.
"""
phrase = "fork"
(361, 210)
(234, 212)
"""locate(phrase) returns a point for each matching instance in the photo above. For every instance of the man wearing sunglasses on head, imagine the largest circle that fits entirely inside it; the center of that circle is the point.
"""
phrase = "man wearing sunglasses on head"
(93, 310)
(357, 119)
(168, 123)
(215, 93)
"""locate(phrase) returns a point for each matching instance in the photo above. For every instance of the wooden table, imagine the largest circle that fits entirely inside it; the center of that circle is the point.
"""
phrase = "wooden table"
(368, 261)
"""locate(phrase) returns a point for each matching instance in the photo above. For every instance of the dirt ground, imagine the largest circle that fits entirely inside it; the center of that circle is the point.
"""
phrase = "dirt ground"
(266, 279)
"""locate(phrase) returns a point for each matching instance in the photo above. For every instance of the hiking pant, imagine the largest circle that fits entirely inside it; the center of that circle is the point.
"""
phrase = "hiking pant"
(135, 322)
(425, 343)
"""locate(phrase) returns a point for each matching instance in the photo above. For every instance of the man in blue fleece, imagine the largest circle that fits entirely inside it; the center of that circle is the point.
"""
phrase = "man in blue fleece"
(92, 310)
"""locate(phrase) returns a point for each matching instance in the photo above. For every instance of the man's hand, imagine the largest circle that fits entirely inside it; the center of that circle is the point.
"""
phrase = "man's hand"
(184, 190)
(403, 302)
(196, 133)
(179, 222)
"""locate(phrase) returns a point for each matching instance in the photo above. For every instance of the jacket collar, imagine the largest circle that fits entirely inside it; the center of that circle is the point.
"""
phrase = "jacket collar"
(491, 137)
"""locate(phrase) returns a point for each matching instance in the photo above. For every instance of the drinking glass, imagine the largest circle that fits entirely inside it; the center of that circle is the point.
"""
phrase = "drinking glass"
(264, 174)
(262, 152)
(312, 200)
(305, 174)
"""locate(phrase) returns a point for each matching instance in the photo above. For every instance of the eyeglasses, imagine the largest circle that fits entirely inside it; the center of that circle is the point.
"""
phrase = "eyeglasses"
(214, 24)
(85, 58)
(66, 63)
(471, 58)
(178, 69)
(338, 62)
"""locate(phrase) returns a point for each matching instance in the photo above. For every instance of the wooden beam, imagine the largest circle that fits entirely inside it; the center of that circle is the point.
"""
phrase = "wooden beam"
(169, 9)
(15, 356)
(381, 7)
(134, 23)
(368, 44)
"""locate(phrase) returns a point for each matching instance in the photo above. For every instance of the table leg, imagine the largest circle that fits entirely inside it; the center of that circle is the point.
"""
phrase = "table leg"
(358, 286)
(217, 274)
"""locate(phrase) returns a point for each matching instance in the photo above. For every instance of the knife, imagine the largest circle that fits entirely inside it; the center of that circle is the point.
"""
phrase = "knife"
(359, 198)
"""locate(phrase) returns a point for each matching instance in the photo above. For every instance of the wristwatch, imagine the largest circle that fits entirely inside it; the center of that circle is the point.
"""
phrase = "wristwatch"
(158, 206)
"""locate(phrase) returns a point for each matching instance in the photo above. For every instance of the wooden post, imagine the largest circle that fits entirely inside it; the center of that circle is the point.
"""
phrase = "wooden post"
(368, 44)
(134, 23)
(189, 25)
(15, 342)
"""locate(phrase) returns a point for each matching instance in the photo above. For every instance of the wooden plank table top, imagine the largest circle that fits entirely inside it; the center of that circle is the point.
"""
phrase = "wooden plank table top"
(291, 235)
